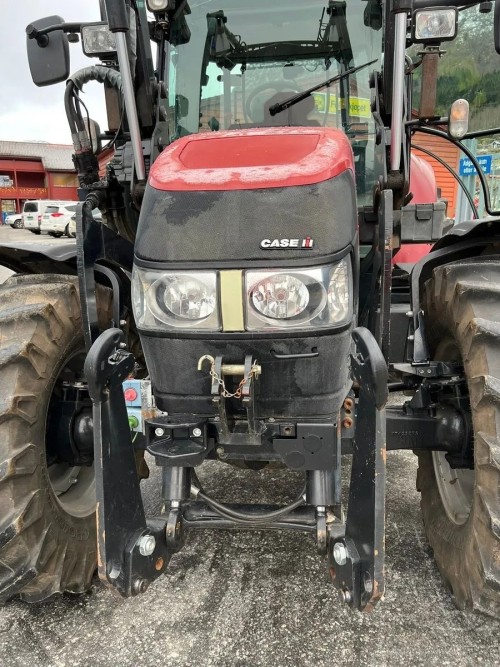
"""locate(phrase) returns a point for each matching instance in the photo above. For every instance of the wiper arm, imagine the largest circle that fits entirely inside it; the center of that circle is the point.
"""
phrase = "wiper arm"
(291, 101)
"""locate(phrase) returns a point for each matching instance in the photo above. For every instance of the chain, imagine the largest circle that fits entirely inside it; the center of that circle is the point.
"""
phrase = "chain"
(225, 393)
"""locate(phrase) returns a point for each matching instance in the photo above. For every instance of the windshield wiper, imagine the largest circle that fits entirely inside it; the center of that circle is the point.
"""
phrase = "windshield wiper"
(291, 101)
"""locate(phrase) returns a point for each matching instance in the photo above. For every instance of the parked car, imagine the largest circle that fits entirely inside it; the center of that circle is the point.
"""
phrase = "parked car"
(33, 210)
(71, 228)
(15, 220)
(56, 218)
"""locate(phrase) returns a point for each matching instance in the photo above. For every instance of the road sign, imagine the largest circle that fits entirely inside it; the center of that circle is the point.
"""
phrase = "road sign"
(468, 169)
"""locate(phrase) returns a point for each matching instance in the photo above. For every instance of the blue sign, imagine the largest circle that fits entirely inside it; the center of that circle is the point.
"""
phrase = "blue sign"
(468, 169)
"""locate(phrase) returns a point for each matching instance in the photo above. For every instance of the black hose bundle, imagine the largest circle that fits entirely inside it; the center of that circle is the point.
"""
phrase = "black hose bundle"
(241, 517)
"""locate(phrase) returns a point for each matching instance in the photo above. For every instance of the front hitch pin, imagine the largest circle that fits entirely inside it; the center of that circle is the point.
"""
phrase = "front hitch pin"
(205, 357)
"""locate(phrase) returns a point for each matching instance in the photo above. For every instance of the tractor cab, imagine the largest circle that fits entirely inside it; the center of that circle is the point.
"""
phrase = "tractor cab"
(233, 66)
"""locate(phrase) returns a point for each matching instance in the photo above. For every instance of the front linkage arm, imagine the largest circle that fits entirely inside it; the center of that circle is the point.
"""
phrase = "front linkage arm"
(132, 552)
(357, 560)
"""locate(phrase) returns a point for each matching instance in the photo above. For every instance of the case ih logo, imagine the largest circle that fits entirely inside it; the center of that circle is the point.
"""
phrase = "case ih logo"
(305, 244)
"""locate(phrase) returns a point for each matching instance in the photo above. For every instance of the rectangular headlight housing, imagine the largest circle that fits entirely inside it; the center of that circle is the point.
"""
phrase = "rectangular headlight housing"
(98, 41)
(173, 300)
(297, 298)
(432, 26)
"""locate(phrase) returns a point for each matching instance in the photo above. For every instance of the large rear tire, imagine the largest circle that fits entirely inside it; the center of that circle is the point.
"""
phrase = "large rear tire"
(461, 508)
(47, 518)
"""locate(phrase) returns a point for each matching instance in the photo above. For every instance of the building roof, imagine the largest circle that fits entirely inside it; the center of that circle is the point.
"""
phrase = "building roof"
(55, 157)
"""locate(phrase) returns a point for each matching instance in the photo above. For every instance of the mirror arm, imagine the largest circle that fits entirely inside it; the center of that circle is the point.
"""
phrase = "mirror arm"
(41, 36)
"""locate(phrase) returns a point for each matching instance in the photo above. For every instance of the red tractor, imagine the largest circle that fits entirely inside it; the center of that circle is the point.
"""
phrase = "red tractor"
(236, 299)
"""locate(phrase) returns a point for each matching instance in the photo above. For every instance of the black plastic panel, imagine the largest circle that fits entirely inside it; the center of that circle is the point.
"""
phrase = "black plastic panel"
(295, 388)
(210, 226)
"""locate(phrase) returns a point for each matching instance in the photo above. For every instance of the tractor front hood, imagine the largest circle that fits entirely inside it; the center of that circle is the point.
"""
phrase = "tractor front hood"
(258, 194)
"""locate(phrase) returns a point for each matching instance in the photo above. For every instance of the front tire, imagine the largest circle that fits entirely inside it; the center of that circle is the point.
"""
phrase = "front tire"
(47, 529)
(461, 508)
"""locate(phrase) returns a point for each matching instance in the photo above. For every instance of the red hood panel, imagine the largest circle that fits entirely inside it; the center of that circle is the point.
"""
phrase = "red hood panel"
(422, 181)
(250, 159)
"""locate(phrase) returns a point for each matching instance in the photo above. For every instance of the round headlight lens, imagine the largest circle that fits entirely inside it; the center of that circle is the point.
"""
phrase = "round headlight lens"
(184, 297)
(280, 296)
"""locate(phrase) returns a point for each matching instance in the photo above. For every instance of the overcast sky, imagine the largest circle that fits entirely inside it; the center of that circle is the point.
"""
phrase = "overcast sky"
(28, 112)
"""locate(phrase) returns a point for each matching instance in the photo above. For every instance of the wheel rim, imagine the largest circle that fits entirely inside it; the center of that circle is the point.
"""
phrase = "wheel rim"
(73, 486)
(455, 485)
(456, 488)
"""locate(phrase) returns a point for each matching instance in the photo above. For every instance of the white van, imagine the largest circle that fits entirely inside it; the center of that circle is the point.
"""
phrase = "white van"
(33, 210)
(56, 218)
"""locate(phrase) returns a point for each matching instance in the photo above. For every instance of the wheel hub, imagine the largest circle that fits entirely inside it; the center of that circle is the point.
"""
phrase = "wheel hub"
(69, 440)
(455, 476)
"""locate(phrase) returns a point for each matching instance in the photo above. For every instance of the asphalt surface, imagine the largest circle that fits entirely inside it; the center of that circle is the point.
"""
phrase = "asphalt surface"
(258, 599)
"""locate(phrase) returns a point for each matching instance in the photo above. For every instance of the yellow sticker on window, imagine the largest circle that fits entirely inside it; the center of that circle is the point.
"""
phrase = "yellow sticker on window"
(358, 106)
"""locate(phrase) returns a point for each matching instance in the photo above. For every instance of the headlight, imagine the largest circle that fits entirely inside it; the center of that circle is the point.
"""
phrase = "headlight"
(169, 300)
(301, 299)
(98, 41)
(311, 298)
(160, 5)
(280, 296)
(435, 25)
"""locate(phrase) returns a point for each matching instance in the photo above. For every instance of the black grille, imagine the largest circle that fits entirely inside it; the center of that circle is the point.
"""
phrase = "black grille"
(218, 225)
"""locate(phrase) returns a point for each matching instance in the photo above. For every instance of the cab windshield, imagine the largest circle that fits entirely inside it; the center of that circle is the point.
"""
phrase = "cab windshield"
(230, 62)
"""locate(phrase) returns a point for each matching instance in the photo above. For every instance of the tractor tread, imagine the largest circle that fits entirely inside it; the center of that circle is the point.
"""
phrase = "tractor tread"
(43, 549)
(461, 300)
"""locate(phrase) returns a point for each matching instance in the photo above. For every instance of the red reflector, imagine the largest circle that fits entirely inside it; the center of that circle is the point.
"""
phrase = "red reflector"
(130, 394)
(56, 215)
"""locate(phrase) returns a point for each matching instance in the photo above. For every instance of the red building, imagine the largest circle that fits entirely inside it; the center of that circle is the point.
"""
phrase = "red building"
(451, 155)
(32, 170)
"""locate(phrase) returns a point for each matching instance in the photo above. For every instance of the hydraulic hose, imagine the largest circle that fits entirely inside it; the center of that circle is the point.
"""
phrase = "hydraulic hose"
(242, 517)
(79, 133)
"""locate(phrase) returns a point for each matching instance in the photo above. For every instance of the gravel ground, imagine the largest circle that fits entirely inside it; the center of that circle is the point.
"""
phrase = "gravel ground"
(250, 599)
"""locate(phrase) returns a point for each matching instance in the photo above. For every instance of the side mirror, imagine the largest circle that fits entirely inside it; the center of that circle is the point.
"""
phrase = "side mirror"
(48, 54)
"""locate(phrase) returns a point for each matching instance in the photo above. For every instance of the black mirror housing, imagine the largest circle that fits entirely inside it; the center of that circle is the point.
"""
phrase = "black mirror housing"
(49, 64)
(496, 25)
